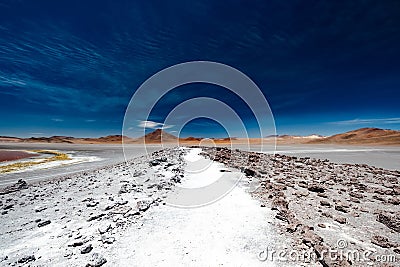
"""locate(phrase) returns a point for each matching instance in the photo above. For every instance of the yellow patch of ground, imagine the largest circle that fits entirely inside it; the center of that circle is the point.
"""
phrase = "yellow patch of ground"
(20, 165)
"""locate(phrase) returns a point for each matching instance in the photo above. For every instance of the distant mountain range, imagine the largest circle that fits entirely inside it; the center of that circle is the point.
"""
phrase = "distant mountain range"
(368, 136)
(112, 139)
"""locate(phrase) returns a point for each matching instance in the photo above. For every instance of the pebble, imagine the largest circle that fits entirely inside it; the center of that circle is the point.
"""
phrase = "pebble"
(96, 260)
(44, 223)
(86, 249)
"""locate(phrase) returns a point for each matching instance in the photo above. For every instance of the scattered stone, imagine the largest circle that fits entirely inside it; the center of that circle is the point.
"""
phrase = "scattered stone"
(322, 225)
(381, 241)
(392, 222)
(341, 220)
(281, 216)
(355, 200)
(76, 244)
(291, 228)
(304, 193)
(124, 189)
(27, 259)
(86, 249)
(380, 198)
(280, 203)
(143, 205)
(44, 223)
(21, 184)
(341, 209)
(95, 217)
(109, 207)
(325, 203)
(40, 209)
(316, 188)
(356, 195)
(121, 210)
(249, 172)
(96, 260)
(9, 206)
(155, 162)
(92, 204)
(132, 212)
(104, 228)
(107, 239)
(68, 254)
(122, 202)
(310, 238)
(394, 201)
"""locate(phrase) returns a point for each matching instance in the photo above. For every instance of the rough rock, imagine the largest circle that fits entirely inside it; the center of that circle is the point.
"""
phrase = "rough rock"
(104, 228)
(76, 244)
(95, 217)
(44, 223)
(249, 172)
(341, 220)
(21, 184)
(325, 203)
(143, 205)
(27, 259)
(96, 260)
(86, 249)
(392, 222)
(316, 188)
(381, 241)
(107, 239)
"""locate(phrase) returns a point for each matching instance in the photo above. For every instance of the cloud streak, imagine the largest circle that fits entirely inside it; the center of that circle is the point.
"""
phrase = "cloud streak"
(368, 121)
(154, 125)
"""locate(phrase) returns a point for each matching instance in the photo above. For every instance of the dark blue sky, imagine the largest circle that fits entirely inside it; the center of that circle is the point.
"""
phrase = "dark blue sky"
(71, 67)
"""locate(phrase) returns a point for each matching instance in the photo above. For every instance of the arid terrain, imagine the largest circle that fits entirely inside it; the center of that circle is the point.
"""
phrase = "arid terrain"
(86, 206)
(363, 136)
(114, 215)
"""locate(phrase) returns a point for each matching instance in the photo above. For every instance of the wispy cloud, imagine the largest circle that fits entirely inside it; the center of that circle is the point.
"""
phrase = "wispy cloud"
(368, 121)
(90, 120)
(57, 119)
(154, 125)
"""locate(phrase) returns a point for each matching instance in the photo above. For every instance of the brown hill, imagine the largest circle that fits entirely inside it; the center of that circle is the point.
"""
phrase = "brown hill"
(10, 139)
(52, 139)
(109, 139)
(158, 136)
(191, 138)
(363, 136)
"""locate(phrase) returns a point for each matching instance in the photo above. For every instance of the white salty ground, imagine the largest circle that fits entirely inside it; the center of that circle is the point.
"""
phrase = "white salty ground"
(231, 231)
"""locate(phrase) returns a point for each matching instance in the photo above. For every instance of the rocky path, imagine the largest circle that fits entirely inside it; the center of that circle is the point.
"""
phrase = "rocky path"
(120, 215)
(346, 214)
(231, 231)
